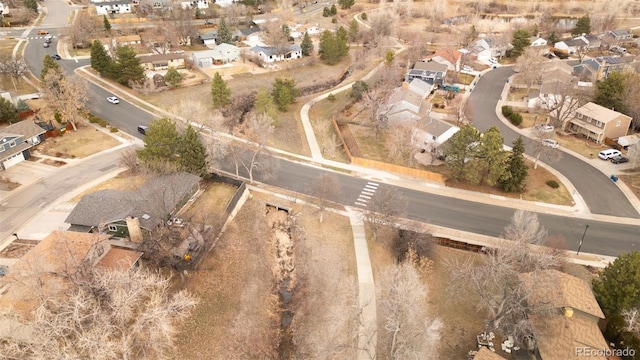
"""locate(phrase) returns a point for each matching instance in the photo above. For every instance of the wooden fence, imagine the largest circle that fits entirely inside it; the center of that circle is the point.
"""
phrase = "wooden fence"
(351, 148)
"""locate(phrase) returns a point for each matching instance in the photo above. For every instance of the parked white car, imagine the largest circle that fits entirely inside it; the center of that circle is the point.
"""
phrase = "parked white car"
(467, 68)
(493, 60)
(608, 154)
(544, 128)
(550, 143)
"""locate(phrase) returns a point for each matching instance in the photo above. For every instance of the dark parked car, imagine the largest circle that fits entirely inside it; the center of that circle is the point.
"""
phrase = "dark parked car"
(619, 160)
(143, 129)
(56, 57)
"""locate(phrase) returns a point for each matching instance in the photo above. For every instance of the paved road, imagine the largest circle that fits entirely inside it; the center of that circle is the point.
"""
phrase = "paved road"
(601, 195)
(602, 237)
(19, 208)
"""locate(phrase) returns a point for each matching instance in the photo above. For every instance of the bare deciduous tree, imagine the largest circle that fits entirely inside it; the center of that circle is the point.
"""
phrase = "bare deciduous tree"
(112, 314)
(386, 204)
(14, 68)
(494, 283)
(410, 332)
(376, 104)
(181, 25)
(327, 190)
(66, 96)
(253, 156)
(529, 66)
(83, 30)
(401, 143)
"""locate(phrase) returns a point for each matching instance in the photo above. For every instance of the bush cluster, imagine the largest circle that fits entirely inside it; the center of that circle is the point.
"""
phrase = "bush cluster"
(97, 120)
(514, 117)
(553, 184)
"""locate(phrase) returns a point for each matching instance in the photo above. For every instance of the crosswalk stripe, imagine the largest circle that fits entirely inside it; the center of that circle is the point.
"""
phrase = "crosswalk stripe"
(359, 203)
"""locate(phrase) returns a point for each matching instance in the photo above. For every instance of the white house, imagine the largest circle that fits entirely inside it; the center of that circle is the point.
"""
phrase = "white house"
(195, 4)
(113, 7)
(312, 29)
(4, 9)
(221, 54)
(572, 46)
(270, 54)
(487, 48)
(538, 42)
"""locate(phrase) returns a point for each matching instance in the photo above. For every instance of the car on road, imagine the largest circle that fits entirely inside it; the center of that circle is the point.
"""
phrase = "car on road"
(143, 129)
(608, 154)
(544, 128)
(48, 41)
(46, 44)
(550, 143)
(619, 159)
(113, 100)
(43, 32)
(56, 57)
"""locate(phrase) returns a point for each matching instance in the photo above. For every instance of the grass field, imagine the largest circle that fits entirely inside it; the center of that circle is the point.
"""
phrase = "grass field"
(86, 141)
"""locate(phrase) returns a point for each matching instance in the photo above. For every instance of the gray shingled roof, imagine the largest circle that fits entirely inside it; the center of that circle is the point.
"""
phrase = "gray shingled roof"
(158, 198)
(27, 128)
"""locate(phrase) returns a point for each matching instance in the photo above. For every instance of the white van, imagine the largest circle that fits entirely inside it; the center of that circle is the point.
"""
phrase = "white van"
(608, 154)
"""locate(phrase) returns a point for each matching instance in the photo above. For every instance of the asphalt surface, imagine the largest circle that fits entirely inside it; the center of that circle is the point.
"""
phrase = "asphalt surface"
(601, 195)
(601, 238)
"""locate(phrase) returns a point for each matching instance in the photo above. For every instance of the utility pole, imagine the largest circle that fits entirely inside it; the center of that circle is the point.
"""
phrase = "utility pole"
(586, 227)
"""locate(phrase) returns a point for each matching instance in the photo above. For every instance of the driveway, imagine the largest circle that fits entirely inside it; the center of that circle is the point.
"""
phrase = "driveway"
(600, 194)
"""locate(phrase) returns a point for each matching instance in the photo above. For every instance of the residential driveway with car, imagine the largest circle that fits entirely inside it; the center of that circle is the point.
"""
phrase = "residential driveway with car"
(600, 194)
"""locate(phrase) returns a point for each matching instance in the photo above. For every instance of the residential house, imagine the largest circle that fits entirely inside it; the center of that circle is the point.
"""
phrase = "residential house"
(112, 7)
(538, 41)
(571, 323)
(617, 38)
(209, 39)
(4, 9)
(406, 104)
(431, 72)
(244, 34)
(600, 67)
(556, 77)
(593, 41)
(270, 54)
(114, 211)
(111, 43)
(157, 62)
(312, 29)
(448, 56)
(221, 54)
(572, 46)
(597, 123)
(16, 140)
(487, 48)
(195, 4)
(433, 133)
(47, 267)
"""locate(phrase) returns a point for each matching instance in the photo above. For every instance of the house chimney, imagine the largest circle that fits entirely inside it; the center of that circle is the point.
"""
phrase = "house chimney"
(405, 86)
(133, 224)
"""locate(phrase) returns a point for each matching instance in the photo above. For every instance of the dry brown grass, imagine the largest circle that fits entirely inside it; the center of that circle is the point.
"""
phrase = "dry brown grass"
(6, 83)
(582, 146)
(86, 141)
(213, 200)
(234, 283)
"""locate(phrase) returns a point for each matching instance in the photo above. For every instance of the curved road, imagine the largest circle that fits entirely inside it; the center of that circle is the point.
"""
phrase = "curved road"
(601, 195)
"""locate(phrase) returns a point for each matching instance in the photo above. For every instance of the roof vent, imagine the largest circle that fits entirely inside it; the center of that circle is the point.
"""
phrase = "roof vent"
(146, 216)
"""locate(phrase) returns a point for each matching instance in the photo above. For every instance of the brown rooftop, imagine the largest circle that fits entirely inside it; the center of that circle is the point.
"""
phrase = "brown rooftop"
(119, 259)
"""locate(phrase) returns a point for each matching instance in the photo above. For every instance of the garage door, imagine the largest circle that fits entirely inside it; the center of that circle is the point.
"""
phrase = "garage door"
(13, 160)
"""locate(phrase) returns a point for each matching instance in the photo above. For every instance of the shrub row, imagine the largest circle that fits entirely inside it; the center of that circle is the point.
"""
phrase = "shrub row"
(97, 120)
(514, 117)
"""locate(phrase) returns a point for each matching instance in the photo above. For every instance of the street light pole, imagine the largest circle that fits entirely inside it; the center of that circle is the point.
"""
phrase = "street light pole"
(586, 227)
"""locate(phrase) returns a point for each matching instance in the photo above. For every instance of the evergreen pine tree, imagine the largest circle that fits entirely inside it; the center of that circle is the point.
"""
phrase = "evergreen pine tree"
(329, 49)
(172, 76)
(31, 5)
(583, 26)
(47, 64)
(8, 112)
(306, 45)
(333, 10)
(284, 93)
(224, 34)
(160, 143)
(610, 92)
(100, 60)
(354, 30)
(264, 104)
(342, 39)
(128, 66)
(516, 170)
(192, 153)
(220, 92)
(107, 24)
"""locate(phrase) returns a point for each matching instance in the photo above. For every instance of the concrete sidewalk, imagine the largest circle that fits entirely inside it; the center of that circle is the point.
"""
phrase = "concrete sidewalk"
(367, 334)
